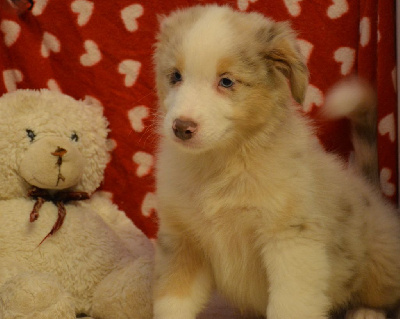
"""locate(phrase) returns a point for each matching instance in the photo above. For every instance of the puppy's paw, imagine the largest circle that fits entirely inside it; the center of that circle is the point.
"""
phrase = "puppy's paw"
(365, 313)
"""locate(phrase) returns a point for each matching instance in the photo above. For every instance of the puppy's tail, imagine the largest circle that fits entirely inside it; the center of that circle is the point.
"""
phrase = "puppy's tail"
(355, 100)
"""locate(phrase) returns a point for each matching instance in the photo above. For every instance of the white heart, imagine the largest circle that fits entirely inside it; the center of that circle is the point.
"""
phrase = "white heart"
(149, 204)
(84, 9)
(365, 31)
(130, 69)
(388, 188)
(293, 6)
(11, 78)
(346, 56)
(39, 7)
(53, 85)
(92, 55)
(337, 9)
(136, 117)
(145, 162)
(387, 126)
(11, 30)
(244, 4)
(50, 43)
(129, 16)
(305, 48)
(314, 96)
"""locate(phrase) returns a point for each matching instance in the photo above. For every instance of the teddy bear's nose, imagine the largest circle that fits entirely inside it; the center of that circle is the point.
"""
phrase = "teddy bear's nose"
(60, 152)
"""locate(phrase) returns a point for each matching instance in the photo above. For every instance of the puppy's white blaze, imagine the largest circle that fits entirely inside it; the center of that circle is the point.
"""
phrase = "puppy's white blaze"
(213, 30)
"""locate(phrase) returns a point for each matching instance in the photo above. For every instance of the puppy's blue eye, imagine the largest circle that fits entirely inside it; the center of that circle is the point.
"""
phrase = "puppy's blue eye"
(176, 77)
(31, 134)
(226, 83)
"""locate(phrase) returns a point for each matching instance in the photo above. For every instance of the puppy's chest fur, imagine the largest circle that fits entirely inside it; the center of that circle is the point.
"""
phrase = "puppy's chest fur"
(231, 247)
(228, 211)
(228, 238)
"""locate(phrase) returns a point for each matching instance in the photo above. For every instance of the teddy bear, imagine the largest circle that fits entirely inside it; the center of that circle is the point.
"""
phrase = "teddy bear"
(66, 250)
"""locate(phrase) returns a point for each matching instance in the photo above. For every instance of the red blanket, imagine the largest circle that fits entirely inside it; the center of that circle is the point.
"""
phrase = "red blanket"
(102, 50)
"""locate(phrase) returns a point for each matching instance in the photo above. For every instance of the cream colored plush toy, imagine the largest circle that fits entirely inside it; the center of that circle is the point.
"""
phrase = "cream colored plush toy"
(64, 251)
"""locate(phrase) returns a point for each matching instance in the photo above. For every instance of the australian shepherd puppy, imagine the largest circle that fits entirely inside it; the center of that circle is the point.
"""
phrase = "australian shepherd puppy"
(249, 202)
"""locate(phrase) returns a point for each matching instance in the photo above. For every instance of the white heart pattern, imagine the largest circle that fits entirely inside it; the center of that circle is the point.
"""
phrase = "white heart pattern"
(39, 7)
(84, 9)
(387, 187)
(50, 43)
(11, 31)
(129, 16)
(92, 55)
(337, 9)
(131, 69)
(293, 6)
(149, 204)
(305, 48)
(145, 162)
(387, 126)
(314, 96)
(244, 4)
(365, 31)
(53, 85)
(11, 78)
(136, 117)
(346, 57)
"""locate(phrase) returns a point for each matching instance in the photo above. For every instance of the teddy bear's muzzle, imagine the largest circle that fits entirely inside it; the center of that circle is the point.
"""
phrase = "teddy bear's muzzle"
(52, 163)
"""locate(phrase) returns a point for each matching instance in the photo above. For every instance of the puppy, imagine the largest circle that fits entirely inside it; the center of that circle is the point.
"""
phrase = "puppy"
(249, 202)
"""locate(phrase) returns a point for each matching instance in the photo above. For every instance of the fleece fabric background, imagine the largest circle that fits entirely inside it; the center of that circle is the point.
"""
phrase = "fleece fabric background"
(102, 50)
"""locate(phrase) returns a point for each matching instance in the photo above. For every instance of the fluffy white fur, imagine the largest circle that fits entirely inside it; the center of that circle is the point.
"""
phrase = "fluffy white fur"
(98, 263)
(248, 199)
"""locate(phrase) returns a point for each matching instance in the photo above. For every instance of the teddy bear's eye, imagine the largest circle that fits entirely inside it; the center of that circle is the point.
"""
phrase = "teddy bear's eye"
(74, 137)
(31, 134)
(175, 77)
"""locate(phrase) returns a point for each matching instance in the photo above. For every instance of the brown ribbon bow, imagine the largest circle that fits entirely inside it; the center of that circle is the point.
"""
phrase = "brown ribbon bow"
(58, 199)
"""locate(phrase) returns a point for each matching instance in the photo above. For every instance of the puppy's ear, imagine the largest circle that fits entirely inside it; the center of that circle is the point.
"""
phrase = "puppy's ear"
(281, 50)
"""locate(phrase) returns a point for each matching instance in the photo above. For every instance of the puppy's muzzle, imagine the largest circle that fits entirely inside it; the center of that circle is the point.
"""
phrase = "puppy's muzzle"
(184, 130)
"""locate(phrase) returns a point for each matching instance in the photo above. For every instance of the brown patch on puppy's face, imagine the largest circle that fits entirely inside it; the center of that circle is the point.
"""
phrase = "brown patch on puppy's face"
(227, 73)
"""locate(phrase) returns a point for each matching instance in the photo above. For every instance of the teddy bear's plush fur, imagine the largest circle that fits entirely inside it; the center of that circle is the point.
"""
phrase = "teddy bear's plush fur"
(96, 263)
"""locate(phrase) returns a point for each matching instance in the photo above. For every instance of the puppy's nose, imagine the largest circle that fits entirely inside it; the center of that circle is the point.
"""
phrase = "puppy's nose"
(184, 129)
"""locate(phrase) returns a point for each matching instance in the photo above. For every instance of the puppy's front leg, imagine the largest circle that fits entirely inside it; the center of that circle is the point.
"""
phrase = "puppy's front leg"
(298, 273)
(183, 282)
